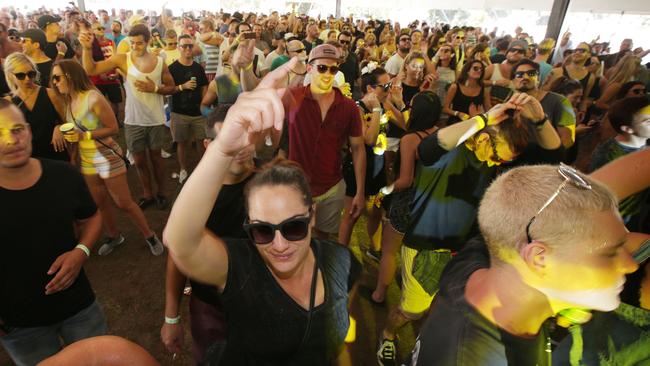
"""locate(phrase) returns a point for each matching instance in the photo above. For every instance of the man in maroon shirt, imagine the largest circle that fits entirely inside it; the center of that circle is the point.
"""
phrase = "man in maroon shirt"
(319, 122)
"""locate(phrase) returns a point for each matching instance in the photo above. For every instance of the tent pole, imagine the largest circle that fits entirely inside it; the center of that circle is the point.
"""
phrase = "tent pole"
(556, 19)
(338, 9)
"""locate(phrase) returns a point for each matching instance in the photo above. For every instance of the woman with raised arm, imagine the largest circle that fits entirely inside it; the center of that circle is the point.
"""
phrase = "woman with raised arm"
(286, 292)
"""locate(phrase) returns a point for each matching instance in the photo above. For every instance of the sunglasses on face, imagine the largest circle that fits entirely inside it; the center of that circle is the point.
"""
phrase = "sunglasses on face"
(292, 229)
(517, 50)
(187, 46)
(581, 50)
(341, 41)
(638, 91)
(172, 43)
(445, 50)
(386, 86)
(23, 75)
(57, 78)
(299, 50)
(100, 29)
(459, 37)
(323, 69)
(529, 73)
(477, 68)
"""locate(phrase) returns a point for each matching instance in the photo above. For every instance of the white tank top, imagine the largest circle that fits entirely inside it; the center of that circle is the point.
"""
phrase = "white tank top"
(143, 109)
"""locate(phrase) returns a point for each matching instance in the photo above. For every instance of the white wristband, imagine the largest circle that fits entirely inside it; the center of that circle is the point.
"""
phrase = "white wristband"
(377, 109)
(175, 320)
(83, 248)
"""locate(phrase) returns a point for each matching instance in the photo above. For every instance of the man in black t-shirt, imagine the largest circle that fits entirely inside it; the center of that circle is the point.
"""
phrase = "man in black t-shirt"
(554, 245)
(57, 48)
(226, 220)
(44, 292)
(191, 84)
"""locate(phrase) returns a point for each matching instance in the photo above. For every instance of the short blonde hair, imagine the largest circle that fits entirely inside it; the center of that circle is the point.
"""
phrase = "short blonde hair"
(11, 63)
(516, 196)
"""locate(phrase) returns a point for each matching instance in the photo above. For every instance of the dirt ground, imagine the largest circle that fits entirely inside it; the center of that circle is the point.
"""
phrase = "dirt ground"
(129, 284)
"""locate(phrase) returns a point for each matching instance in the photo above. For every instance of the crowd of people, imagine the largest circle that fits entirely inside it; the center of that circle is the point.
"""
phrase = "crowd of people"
(504, 177)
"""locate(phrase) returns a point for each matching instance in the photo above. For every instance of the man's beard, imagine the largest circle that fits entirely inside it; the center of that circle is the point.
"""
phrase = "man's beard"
(404, 49)
(526, 88)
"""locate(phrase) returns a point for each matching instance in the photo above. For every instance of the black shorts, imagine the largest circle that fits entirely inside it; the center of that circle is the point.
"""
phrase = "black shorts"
(373, 184)
(399, 212)
(112, 92)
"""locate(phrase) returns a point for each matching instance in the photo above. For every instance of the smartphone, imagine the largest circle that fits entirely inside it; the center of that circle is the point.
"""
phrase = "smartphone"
(248, 35)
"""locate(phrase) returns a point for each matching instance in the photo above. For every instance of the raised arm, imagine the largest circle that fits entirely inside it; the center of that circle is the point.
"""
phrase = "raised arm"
(195, 250)
(116, 61)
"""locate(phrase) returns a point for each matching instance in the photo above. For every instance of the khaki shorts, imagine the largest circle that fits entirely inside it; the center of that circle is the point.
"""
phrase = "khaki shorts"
(142, 138)
(415, 300)
(328, 208)
(187, 128)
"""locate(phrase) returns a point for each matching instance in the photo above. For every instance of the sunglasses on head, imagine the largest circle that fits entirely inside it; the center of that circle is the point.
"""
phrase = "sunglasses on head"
(638, 91)
(187, 46)
(292, 229)
(530, 73)
(517, 50)
(56, 78)
(323, 69)
(23, 75)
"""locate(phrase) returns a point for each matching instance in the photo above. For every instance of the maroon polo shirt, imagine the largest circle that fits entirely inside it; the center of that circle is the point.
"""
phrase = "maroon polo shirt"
(315, 144)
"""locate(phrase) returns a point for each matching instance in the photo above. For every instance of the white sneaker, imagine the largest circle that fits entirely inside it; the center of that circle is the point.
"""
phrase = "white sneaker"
(165, 154)
(182, 176)
(155, 245)
(130, 157)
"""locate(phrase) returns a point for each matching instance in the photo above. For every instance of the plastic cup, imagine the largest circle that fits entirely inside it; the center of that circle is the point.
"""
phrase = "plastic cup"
(69, 133)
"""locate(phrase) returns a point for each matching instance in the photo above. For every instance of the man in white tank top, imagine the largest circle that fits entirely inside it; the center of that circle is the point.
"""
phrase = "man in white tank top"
(147, 80)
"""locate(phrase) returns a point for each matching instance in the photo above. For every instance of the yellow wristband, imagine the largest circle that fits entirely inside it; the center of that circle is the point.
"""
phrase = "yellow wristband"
(481, 121)
(250, 66)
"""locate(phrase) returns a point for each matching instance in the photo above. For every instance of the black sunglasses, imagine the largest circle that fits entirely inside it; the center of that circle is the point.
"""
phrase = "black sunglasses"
(187, 46)
(22, 75)
(570, 175)
(323, 69)
(343, 42)
(581, 50)
(56, 78)
(292, 229)
(638, 91)
(384, 86)
(172, 43)
(530, 73)
(477, 68)
(517, 50)
(405, 40)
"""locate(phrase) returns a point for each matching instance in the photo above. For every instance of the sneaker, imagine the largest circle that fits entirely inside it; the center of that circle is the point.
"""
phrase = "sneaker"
(165, 154)
(146, 202)
(374, 254)
(155, 245)
(108, 244)
(161, 202)
(182, 176)
(130, 157)
(387, 353)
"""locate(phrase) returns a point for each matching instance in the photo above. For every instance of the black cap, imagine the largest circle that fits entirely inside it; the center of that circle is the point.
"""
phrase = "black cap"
(35, 35)
(47, 19)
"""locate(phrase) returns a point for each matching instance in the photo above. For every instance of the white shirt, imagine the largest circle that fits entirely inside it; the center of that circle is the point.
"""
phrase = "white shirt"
(394, 64)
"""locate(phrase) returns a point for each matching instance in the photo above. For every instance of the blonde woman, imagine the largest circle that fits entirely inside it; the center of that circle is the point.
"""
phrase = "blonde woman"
(623, 72)
(101, 159)
(41, 106)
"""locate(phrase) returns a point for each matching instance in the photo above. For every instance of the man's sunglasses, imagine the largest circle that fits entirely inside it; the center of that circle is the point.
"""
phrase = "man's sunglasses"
(570, 175)
(638, 91)
(323, 69)
(530, 73)
(343, 41)
(405, 40)
(23, 75)
(292, 229)
(517, 50)
(187, 46)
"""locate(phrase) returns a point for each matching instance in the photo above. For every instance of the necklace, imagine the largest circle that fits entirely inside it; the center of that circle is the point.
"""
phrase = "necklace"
(23, 100)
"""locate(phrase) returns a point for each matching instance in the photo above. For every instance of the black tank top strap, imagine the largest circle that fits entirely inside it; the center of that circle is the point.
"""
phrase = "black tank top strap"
(565, 72)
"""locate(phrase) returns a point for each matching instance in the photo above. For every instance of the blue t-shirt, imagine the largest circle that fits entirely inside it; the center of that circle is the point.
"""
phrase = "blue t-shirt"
(448, 188)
